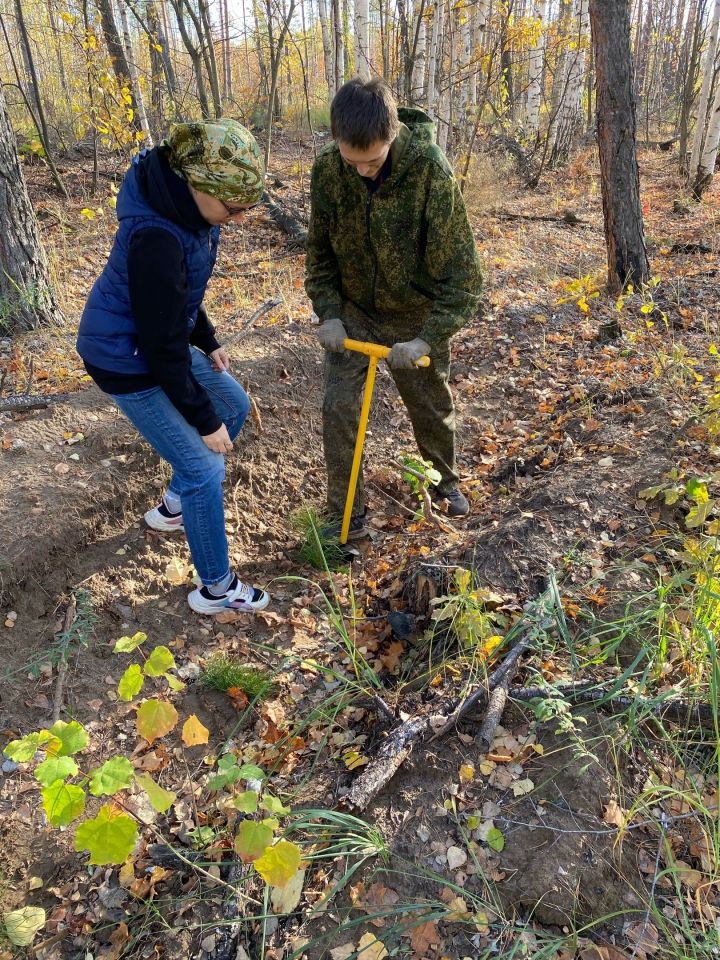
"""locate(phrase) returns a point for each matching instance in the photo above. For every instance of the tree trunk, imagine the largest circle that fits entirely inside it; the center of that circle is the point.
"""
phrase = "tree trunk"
(569, 112)
(627, 256)
(204, 30)
(26, 297)
(43, 130)
(434, 56)
(689, 70)
(704, 98)
(419, 55)
(535, 72)
(327, 42)
(339, 45)
(362, 35)
(194, 53)
(116, 52)
(706, 165)
(134, 80)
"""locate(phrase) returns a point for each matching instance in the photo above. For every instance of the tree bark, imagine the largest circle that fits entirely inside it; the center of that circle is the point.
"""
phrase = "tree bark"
(701, 126)
(327, 42)
(620, 176)
(535, 72)
(569, 113)
(26, 296)
(116, 52)
(434, 56)
(706, 165)
(362, 35)
(339, 45)
(42, 122)
(134, 79)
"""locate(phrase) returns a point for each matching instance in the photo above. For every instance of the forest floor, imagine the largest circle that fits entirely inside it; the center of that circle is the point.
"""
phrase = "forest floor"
(586, 830)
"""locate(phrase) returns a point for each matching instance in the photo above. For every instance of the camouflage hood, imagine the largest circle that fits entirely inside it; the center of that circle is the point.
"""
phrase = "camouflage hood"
(405, 254)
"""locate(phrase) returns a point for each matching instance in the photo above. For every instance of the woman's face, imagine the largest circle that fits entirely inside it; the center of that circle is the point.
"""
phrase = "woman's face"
(217, 212)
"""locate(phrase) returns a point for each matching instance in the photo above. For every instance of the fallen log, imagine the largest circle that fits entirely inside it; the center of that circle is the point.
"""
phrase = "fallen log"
(21, 402)
(401, 740)
(675, 708)
(288, 223)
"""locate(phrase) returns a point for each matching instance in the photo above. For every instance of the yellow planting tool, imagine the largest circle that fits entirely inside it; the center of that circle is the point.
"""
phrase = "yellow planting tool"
(376, 352)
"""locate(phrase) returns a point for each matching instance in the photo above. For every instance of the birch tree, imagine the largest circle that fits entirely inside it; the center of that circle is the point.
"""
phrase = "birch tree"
(362, 39)
(706, 165)
(328, 52)
(701, 125)
(569, 111)
(134, 79)
(535, 71)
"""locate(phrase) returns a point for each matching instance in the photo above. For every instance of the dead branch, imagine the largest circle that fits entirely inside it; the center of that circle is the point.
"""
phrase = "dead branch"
(64, 640)
(675, 708)
(568, 217)
(20, 402)
(285, 220)
(252, 320)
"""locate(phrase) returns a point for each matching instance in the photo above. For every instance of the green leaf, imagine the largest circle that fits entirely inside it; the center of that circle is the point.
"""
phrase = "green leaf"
(226, 761)
(246, 802)
(22, 925)
(114, 775)
(697, 516)
(128, 644)
(697, 490)
(159, 662)
(174, 683)
(649, 493)
(63, 802)
(160, 798)
(72, 736)
(248, 771)
(496, 840)
(131, 682)
(279, 864)
(22, 751)
(55, 768)
(273, 805)
(155, 718)
(109, 838)
(252, 840)
(223, 779)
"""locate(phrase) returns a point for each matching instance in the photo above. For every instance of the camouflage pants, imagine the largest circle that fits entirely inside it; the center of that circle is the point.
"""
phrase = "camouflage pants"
(424, 391)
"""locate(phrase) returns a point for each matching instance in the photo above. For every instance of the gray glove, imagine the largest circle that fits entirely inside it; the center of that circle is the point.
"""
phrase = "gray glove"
(405, 355)
(331, 335)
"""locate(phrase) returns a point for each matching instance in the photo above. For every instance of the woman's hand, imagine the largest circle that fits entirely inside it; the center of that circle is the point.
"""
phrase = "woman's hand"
(219, 442)
(220, 359)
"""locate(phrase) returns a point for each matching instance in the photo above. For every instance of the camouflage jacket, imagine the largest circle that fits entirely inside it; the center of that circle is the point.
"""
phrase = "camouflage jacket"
(406, 250)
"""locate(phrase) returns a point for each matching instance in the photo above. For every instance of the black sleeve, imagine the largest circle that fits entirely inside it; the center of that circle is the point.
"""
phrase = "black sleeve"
(203, 336)
(158, 296)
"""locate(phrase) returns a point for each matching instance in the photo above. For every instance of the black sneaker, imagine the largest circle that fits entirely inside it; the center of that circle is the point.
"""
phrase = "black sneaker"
(458, 505)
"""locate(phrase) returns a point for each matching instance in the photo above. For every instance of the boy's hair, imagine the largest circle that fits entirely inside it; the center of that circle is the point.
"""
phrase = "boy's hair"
(362, 114)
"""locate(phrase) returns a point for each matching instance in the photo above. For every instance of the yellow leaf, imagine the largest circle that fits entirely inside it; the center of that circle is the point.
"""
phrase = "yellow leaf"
(521, 787)
(158, 47)
(467, 772)
(194, 733)
(279, 864)
(155, 718)
(285, 899)
(370, 948)
(87, 213)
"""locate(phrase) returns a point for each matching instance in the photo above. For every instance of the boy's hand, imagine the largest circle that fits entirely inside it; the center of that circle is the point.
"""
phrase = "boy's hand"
(405, 355)
(332, 335)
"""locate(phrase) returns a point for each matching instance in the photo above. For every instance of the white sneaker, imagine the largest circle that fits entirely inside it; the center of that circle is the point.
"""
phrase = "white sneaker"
(238, 596)
(161, 518)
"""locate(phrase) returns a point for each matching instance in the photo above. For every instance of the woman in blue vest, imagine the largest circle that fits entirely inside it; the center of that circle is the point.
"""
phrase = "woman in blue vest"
(146, 340)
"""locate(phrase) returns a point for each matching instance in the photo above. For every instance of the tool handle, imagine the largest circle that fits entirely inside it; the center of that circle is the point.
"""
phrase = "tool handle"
(378, 351)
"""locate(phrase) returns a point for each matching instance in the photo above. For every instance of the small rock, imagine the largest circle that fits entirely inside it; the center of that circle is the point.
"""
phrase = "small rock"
(456, 857)
(191, 671)
(9, 766)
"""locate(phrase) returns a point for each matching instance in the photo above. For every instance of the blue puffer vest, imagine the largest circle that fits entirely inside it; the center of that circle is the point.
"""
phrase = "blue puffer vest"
(106, 337)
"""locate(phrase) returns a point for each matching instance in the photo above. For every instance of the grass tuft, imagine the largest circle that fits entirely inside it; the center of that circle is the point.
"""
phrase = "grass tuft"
(319, 547)
(223, 673)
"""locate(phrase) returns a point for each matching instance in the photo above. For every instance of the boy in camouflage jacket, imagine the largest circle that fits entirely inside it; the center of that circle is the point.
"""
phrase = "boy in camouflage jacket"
(391, 259)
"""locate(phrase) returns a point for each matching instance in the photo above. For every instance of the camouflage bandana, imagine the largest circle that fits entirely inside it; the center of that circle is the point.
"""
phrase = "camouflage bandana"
(219, 157)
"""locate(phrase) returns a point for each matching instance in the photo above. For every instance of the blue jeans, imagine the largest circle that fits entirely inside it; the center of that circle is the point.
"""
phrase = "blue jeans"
(198, 473)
